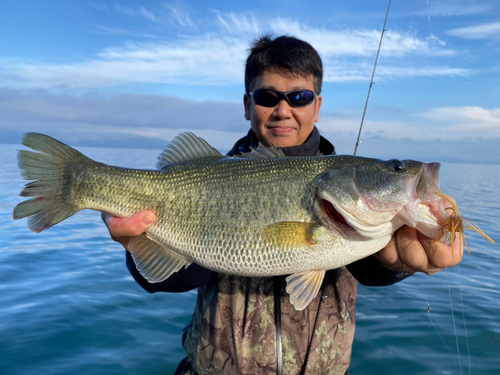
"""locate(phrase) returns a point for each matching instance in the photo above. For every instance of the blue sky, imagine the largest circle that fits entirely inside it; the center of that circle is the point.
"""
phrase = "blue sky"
(136, 73)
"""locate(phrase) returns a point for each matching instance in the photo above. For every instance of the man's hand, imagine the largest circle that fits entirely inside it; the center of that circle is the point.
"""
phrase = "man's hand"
(122, 229)
(411, 251)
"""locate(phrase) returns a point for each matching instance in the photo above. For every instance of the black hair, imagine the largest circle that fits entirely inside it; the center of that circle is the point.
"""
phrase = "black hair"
(288, 55)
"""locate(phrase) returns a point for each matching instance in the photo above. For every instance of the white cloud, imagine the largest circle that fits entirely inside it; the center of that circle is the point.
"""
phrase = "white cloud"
(195, 61)
(136, 11)
(362, 72)
(129, 11)
(339, 42)
(487, 30)
(179, 16)
(116, 31)
(146, 13)
(363, 42)
(217, 58)
(173, 15)
(446, 123)
(239, 24)
(467, 120)
(453, 8)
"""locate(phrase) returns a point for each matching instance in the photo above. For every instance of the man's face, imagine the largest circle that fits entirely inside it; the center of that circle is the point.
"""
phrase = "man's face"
(282, 125)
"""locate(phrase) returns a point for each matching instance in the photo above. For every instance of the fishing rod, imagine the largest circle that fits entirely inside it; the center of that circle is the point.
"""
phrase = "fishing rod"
(373, 75)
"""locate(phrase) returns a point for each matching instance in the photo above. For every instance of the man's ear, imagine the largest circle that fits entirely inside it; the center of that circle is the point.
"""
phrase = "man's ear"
(247, 102)
(319, 101)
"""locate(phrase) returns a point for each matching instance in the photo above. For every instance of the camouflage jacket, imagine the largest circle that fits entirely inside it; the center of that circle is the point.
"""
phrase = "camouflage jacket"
(233, 328)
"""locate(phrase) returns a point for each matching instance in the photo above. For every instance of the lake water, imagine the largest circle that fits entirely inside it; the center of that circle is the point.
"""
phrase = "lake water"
(68, 304)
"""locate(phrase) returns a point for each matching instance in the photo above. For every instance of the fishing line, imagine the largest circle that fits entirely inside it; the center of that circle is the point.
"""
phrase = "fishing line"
(373, 75)
(430, 27)
(463, 318)
(432, 322)
(435, 327)
(429, 19)
(459, 276)
(453, 321)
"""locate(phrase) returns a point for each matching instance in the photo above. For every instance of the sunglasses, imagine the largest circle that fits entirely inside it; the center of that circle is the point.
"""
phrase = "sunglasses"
(271, 98)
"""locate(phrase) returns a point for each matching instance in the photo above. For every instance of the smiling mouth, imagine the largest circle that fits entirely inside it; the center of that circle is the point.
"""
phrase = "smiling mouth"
(281, 129)
(335, 217)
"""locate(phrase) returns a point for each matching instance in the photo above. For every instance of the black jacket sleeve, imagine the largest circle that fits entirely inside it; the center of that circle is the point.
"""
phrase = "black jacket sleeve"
(189, 278)
(370, 272)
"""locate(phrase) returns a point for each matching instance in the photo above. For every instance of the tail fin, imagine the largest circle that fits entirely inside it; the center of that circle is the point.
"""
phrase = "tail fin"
(51, 170)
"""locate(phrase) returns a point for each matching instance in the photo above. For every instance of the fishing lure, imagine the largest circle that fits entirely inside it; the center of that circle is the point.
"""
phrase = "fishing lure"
(456, 223)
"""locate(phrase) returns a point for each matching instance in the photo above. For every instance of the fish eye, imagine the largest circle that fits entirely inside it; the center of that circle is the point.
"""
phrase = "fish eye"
(396, 165)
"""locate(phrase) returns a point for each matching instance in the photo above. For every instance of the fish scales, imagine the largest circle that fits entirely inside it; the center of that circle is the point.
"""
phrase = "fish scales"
(234, 243)
(186, 197)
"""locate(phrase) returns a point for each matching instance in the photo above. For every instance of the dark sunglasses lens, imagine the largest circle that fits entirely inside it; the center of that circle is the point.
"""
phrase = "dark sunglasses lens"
(300, 98)
(266, 98)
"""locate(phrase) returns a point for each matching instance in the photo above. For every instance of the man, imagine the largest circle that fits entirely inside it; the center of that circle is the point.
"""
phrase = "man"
(247, 325)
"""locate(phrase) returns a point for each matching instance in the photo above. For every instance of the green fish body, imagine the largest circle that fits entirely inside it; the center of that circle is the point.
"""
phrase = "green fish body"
(261, 214)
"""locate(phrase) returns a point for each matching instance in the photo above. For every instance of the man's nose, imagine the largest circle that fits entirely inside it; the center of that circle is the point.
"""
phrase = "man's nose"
(282, 109)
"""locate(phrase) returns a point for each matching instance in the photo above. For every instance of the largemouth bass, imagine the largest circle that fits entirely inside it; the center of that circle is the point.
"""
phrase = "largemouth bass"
(261, 214)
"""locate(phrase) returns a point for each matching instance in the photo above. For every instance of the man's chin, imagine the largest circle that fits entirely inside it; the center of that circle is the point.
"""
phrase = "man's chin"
(282, 138)
(281, 142)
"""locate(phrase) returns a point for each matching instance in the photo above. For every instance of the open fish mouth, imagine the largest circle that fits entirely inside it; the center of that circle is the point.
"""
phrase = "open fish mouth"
(335, 218)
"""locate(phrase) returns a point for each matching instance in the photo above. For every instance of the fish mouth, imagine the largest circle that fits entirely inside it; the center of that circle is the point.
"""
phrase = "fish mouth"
(331, 216)
(334, 216)
(348, 223)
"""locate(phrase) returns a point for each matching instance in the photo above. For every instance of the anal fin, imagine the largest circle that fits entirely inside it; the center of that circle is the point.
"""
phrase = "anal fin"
(156, 263)
(303, 287)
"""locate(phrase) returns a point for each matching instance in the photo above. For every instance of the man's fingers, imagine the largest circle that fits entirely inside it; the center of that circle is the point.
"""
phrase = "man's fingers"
(390, 256)
(410, 251)
(126, 227)
(440, 254)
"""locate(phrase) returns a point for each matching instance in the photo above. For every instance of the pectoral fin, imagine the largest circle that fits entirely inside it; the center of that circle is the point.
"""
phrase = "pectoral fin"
(156, 263)
(303, 287)
(291, 232)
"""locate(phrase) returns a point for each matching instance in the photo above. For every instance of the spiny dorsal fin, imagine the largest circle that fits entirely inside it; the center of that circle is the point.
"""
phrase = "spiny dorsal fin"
(262, 152)
(303, 287)
(154, 262)
(185, 147)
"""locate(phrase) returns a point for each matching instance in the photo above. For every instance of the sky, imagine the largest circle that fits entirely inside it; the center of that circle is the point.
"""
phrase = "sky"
(133, 74)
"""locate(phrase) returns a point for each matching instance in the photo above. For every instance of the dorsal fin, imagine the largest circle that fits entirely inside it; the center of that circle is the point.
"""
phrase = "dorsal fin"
(262, 152)
(185, 147)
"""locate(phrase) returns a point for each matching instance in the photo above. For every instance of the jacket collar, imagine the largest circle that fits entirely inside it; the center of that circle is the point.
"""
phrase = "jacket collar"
(313, 146)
